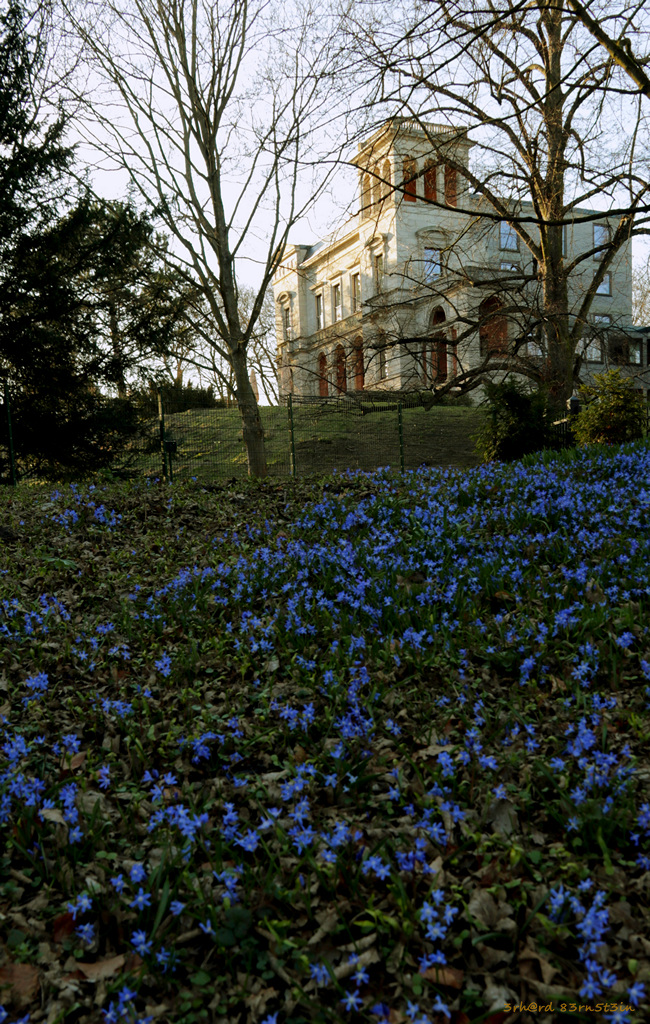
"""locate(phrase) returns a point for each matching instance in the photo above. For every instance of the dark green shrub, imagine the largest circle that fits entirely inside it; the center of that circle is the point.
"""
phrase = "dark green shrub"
(516, 422)
(177, 398)
(614, 412)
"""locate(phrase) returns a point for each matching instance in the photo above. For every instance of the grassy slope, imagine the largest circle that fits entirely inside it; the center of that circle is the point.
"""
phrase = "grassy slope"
(406, 720)
(325, 438)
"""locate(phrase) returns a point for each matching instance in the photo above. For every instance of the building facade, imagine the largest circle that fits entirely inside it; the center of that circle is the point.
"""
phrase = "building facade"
(423, 284)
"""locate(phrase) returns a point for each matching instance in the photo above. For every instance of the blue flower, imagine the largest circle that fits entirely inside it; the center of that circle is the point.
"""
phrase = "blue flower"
(137, 873)
(636, 993)
(164, 665)
(320, 974)
(352, 1001)
(142, 900)
(86, 933)
(141, 943)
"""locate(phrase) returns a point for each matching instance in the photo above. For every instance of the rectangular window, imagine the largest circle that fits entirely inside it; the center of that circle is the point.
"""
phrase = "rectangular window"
(409, 179)
(510, 266)
(450, 185)
(286, 323)
(379, 273)
(533, 349)
(634, 348)
(508, 237)
(382, 364)
(319, 312)
(594, 347)
(336, 302)
(605, 286)
(594, 350)
(355, 290)
(430, 183)
(601, 239)
(432, 265)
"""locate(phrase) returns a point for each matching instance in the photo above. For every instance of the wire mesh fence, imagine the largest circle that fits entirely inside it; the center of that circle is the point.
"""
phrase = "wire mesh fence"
(178, 443)
(303, 437)
(367, 431)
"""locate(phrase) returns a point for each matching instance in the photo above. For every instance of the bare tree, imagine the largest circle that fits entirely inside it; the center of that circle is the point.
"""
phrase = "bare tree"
(613, 26)
(560, 144)
(201, 351)
(213, 111)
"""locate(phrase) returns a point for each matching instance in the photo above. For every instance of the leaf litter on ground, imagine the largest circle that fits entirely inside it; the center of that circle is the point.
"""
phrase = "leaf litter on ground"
(372, 747)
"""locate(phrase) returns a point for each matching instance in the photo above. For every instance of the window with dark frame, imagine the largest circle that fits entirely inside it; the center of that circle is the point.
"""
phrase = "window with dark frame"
(319, 312)
(508, 238)
(605, 286)
(602, 235)
(594, 348)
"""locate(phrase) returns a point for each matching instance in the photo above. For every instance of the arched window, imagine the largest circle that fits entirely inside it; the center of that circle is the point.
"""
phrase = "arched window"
(450, 185)
(341, 379)
(366, 196)
(358, 365)
(438, 345)
(385, 184)
(409, 179)
(430, 182)
(493, 328)
(323, 390)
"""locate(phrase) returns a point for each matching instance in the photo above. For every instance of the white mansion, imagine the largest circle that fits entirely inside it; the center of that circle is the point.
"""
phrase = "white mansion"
(420, 285)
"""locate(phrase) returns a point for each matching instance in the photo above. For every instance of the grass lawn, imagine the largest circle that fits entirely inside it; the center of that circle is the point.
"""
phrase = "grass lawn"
(374, 748)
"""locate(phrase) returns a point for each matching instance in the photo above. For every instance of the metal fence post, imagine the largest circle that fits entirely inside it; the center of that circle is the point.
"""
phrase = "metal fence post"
(400, 431)
(292, 444)
(161, 422)
(12, 454)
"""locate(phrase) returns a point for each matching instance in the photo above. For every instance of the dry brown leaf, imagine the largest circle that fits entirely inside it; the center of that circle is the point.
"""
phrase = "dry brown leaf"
(62, 926)
(19, 984)
(526, 959)
(482, 908)
(74, 761)
(432, 751)
(52, 814)
(257, 1002)
(447, 977)
(102, 968)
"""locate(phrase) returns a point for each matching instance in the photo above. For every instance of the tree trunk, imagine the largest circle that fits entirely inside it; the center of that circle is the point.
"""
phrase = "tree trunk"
(250, 416)
(559, 345)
